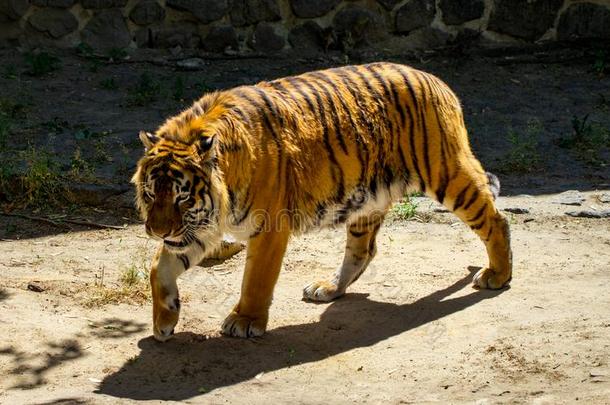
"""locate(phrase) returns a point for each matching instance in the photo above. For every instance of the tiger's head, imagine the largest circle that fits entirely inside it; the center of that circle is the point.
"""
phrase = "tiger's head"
(178, 189)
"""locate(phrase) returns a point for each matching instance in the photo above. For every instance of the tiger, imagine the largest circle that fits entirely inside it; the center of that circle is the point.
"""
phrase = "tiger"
(272, 160)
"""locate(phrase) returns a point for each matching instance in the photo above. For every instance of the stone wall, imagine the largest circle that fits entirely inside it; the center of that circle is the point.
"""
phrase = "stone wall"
(242, 26)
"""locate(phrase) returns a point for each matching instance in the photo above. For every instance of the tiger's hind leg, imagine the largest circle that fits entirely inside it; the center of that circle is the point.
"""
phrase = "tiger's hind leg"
(360, 248)
(470, 197)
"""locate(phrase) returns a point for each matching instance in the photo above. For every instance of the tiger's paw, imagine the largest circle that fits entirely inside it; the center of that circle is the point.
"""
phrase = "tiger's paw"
(165, 320)
(322, 291)
(243, 326)
(488, 279)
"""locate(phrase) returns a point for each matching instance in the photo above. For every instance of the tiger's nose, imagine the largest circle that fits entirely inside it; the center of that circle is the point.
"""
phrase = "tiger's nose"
(160, 234)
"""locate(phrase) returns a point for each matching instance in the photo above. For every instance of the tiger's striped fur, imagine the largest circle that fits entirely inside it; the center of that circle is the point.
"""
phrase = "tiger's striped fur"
(282, 157)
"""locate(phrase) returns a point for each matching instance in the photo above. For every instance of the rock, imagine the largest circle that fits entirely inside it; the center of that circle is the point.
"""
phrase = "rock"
(525, 19)
(414, 14)
(312, 8)
(220, 38)
(56, 22)
(35, 287)
(147, 12)
(249, 12)
(429, 38)
(584, 20)
(191, 64)
(205, 11)
(456, 12)
(604, 198)
(570, 197)
(266, 39)
(93, 194)
(14, 9)
(53, 3)
(517, 210)
(357, 26)
(307, 37)
(106, 30)
(183, 34)
(589, 214)
(389, 4)
(100, 4)
(144, 38)
(123, 200)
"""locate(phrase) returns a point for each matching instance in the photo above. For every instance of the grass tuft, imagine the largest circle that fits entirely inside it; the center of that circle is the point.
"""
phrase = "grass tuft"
(523, 155)
(405, 209)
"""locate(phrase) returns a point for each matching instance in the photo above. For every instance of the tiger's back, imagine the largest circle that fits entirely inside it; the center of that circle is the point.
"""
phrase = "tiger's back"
(342, 139)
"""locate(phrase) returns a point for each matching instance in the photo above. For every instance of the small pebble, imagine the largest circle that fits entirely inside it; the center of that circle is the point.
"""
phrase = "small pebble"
(517, 210)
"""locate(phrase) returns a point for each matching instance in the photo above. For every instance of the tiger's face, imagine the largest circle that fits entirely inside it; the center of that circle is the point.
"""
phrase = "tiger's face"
(175, 193)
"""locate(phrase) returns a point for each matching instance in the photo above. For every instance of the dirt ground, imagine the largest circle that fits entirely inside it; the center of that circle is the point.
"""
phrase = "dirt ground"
(411, 330)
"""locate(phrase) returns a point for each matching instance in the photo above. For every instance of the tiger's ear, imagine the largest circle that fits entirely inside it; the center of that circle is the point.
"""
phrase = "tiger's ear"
(149, 140)
(203, 144)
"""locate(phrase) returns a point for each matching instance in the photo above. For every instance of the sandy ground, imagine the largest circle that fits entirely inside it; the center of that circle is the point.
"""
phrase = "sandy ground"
(411, 330)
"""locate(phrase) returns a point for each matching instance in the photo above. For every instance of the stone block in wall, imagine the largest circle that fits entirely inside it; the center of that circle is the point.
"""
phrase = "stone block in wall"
(100, 4)
(143, 38)
(106, 29)
(266, 39)
(53, 3)
(356, 26)
(526, 19)
(429, 38)
(307, 37)
(456, 12)
(389, 4)
(249, 12)
(415, 14)
(312, 8)
(205, 11)
(584, 20)
(183, 33)
(53, 21)
(147, 12)
(14, 9)
(219, 38)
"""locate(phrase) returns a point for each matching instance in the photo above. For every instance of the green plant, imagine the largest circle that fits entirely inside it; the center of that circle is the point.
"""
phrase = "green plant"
(84, 50)
(133, 275)
(12, 109)
(40, 182)
(145, 91)
(80, 169)
(109, 84)
(588, 139)
(599, 64)
(117, 53)
(523, 155)
(10, 72)
(56, 125)
(101, 151)
(405, 209)
(41, 63)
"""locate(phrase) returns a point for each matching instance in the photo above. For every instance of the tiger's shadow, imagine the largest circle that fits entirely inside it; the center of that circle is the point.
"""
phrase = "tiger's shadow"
(190, 365)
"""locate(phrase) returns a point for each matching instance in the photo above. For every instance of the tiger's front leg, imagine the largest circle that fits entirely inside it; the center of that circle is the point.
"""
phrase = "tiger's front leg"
(166, 302)
(263, 262)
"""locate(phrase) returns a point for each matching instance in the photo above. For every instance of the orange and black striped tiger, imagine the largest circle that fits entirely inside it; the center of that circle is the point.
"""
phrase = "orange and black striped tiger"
(281, 157)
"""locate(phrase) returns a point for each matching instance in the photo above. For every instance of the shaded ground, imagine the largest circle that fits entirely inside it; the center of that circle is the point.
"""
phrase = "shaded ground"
(74, 306)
